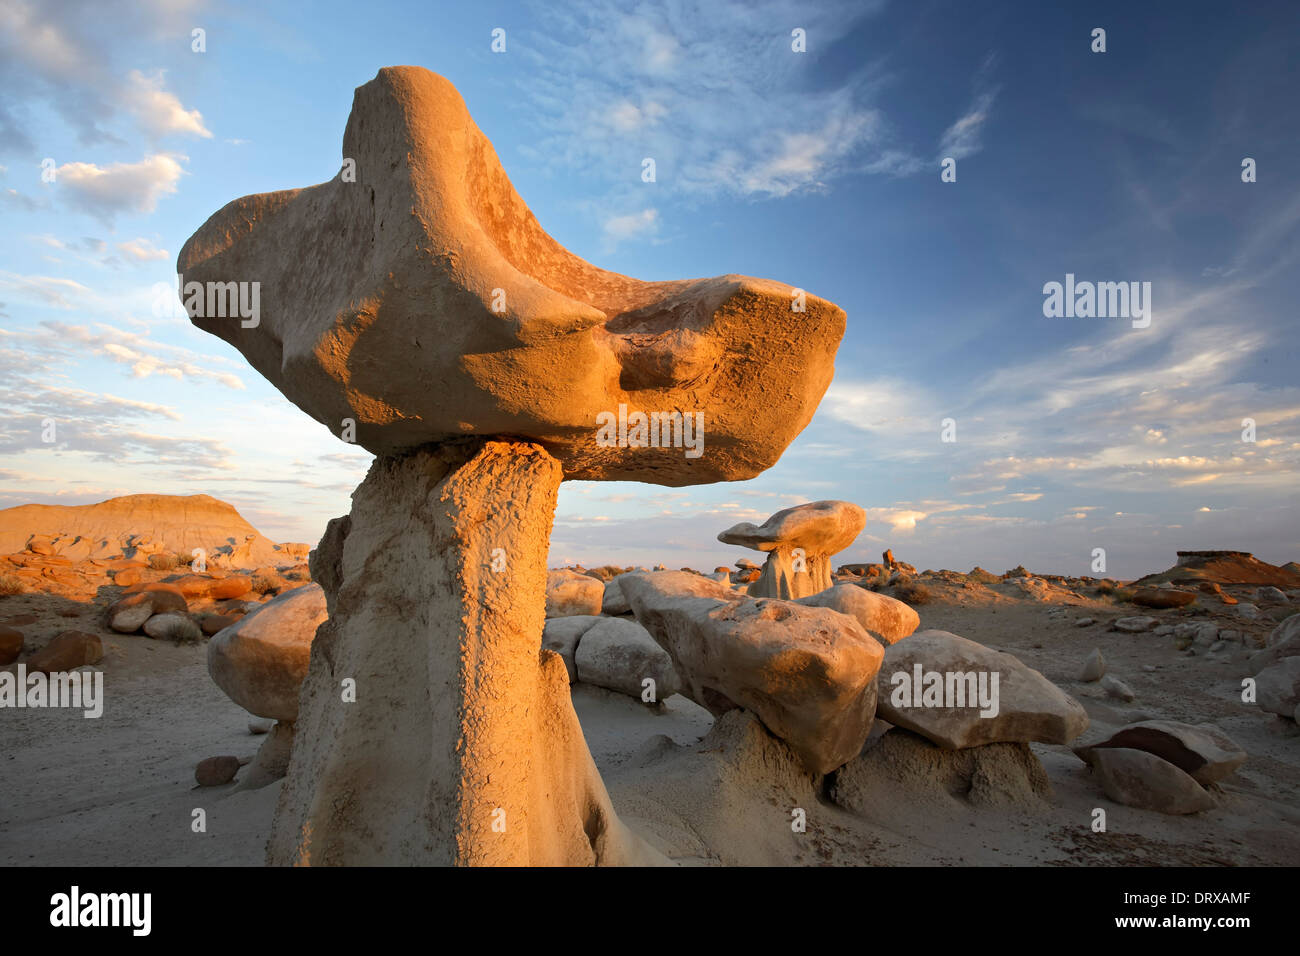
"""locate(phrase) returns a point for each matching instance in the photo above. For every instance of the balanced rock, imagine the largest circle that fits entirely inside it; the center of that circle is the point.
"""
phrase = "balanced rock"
(1201, 751)
(569, 593)
(261, 660)
(1136, 778)
(959, 694)
(562, 634)
(69, 650)
(886, 619)
(800, 542)
(459, 285)
(620, 655)
(808, 673)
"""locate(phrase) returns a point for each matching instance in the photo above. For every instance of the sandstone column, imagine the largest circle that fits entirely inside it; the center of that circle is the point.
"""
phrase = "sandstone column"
(462, 746)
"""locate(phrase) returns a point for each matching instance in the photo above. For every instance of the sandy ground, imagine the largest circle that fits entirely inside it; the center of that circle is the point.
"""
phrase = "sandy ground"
(120, 790)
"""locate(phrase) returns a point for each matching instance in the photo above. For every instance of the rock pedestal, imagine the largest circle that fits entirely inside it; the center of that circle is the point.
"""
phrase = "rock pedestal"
(799, 542)
(461, 746)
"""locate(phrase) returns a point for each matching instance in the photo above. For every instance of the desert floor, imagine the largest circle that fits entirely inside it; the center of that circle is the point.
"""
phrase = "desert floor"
(120, 790)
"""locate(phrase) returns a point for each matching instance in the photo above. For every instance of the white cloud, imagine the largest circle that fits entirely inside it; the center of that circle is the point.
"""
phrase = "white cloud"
(631, 226)
(104, 192)
(159, 112)
(142, 250)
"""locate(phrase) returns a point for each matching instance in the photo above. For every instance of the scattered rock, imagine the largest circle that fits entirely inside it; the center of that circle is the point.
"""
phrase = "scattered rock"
(1269, 595)
(260, 661)
(619, 654)
(216, 771)
(212, 623)
(561, 634)
(141, 602)
(69, 650)
(260, 725)
(1136, 778)
(886, 619)
(1084, 622)
(1116, 688)
(1162, 597)
(614, 601)
(569, 593)
(1029, 706)
(1249, 611)
(1202, 751)
(11, 645)
(1277, 687)
(1094, 668)
(1134, 625)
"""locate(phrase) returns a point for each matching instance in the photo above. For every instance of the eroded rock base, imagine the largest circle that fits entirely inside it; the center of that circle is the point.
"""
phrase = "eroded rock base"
(461, 746)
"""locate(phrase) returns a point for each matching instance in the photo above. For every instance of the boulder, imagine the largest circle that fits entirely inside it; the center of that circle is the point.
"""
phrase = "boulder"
(886, 619)
(808, 673)
(1136, 778)
(479, 323)
(1162, 597)
(261, 660)
(1094, 668)
(1271, 595)
(67, 651)
(11, 645)
(619, 655)
(1277, 687)
(562, 634)
(216, 771)
(569, 593)
(1201, 751)
(212, 623)
(128, 614)
(948, 712)
(1282, 642)
(614, 601)
(800, 542)
(1114, 687)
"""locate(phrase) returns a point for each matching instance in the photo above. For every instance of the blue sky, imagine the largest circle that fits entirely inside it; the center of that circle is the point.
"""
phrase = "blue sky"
(820, 169)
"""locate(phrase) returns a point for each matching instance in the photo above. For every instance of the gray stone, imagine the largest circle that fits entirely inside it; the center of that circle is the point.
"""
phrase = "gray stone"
(619, 655)
(562, 634)
(1094, 668)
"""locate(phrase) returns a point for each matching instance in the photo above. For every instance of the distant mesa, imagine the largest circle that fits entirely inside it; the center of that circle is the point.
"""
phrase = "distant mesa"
(1225, 567)
(136, 526)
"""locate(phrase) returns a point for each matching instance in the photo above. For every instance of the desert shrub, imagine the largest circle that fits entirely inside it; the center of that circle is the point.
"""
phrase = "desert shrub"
(162, 561)
(1123, 594)
(910, 592)
(1105, 587)
(11, 584)
(265, 584)
(605, 572)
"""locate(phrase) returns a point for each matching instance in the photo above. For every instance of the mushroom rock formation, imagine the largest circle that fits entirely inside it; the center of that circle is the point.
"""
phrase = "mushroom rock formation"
(430, 261)
(800, 542)
(415, 299)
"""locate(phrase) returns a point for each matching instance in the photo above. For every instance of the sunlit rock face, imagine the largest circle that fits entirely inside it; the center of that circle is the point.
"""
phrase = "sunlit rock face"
(420, 299)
